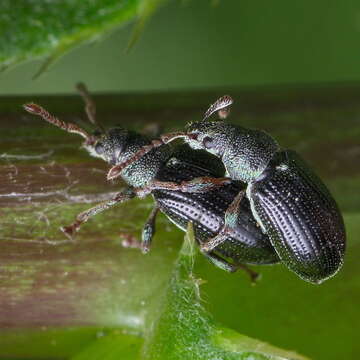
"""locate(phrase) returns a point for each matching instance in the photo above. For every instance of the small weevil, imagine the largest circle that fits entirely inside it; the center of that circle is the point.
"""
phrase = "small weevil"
(291, 204)
(177, 177)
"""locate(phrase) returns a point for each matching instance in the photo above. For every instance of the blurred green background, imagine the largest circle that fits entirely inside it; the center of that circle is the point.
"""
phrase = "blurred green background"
(194, 44)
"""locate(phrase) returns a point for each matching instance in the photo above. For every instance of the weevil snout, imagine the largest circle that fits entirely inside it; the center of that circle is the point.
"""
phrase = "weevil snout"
(213, 136)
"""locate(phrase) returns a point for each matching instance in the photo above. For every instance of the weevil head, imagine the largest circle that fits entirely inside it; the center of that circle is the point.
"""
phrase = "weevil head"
(212, 136)
(118, 145)
(114, 145)
(245, 152)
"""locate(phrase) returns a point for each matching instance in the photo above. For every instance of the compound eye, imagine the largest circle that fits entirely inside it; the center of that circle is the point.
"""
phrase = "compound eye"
(99, 148)
(208, 142)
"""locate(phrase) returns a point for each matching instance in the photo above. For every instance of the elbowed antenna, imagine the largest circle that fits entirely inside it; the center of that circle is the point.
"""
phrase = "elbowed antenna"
(69, 127)
(221, 105)
(90, 107)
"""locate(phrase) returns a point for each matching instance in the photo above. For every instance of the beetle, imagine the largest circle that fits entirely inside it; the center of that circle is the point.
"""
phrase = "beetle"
(176, 177)
(289, 201)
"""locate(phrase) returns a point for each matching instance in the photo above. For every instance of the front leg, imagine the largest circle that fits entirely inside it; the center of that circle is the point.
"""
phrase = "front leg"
(124, 195)
(197, 185)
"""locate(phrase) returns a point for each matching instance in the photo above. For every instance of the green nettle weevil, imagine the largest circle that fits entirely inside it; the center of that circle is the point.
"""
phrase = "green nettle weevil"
(291, 204)
(176, 176)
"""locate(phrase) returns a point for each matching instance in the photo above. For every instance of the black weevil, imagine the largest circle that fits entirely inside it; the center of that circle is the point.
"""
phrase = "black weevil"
(156, 173)
(292, 205)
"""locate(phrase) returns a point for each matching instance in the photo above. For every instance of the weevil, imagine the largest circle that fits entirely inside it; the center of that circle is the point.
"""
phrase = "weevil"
(176, 177)
(289, 201)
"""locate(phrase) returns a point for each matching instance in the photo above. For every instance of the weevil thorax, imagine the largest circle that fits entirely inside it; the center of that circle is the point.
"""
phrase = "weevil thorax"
(118, 145)
(244, 152)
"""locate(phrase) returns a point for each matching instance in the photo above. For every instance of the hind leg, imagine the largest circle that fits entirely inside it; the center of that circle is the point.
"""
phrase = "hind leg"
(231, 220)
(149, 230)
(229, 267)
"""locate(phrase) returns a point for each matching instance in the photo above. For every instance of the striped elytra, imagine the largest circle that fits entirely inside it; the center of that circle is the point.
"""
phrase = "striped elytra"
(300, 217)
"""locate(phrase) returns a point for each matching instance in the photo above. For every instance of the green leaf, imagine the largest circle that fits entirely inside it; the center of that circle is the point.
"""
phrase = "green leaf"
(113, 346)
(184, 330)
(145, 10)
(34, 28)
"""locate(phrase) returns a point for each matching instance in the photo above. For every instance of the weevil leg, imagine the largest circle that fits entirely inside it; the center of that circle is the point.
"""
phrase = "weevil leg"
(197, 185)
(124, 195)
(220, 262)
(229, 267)
(253, 275)
(217, 240)
(149, 230)
(231, 220)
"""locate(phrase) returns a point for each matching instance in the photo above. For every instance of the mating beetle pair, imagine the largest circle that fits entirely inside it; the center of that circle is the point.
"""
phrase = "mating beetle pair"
(156, 173)
(300, 224)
